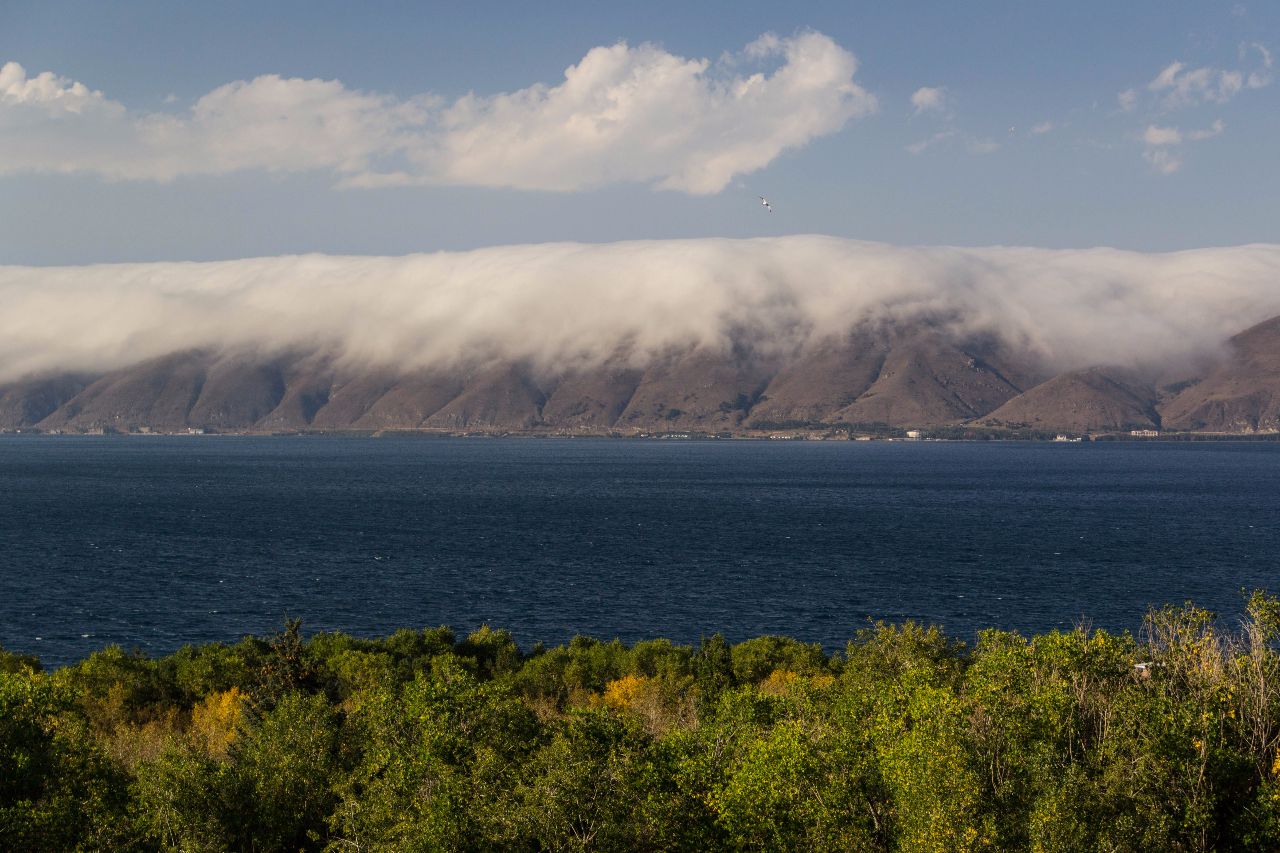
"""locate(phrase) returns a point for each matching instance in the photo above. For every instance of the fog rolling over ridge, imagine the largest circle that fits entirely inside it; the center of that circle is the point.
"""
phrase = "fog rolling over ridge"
(564, 306)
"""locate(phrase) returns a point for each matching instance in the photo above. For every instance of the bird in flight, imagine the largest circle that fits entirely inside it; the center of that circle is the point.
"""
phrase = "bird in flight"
(765, 202)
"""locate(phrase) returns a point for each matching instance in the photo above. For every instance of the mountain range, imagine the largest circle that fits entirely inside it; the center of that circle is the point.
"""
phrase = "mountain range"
(874, 379)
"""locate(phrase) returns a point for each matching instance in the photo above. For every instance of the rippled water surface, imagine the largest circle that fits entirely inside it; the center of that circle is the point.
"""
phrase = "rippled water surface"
(156, 542)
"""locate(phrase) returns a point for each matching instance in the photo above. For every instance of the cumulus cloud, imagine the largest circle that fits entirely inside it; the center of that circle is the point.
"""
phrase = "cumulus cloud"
(621, 114)
(928, 99)
(565, 305)
(51, 124)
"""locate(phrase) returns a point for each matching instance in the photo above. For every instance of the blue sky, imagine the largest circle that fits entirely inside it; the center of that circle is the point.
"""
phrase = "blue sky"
(1055, 125)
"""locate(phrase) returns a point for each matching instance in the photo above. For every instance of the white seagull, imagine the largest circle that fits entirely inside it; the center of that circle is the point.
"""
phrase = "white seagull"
(765, 202)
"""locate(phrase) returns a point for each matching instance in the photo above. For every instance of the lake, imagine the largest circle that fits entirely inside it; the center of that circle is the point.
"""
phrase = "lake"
(156, 542)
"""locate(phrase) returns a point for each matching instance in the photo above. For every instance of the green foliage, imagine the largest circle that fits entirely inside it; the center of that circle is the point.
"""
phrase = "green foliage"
(584, 790)
(910, 740)
(797, 787)
(712, 671)
(753, 660)
(439, 758)
(273, 792)
(585, 666)
(14, 663)
(494, 653)
(287, 667)
(187, 801)
(197, 671)
(289, 763)
(58, 791)
(114, 686)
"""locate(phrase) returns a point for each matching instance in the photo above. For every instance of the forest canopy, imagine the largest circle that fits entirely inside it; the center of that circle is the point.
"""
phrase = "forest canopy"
(906, 740)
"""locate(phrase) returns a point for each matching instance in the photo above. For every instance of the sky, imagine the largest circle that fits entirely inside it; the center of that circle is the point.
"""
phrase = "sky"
(155, 131)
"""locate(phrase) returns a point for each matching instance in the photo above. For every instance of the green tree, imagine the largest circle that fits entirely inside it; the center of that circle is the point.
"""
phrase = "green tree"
(438, 762)
(58, 791)
(802, 788)
(290, 764)
(586, 788)
(187, 801)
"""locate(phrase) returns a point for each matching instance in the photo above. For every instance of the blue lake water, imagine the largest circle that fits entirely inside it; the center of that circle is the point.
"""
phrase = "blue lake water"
(159, 541)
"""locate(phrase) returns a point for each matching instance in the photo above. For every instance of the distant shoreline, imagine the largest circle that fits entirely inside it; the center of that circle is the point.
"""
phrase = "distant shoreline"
(946, 434)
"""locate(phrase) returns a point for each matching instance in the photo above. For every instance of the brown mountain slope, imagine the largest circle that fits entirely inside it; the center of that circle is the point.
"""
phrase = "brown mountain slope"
(1093, 400)
(593, 399)
(504, 396)
(308, 384)
(157, 393)
(410, 401)
(821, 382)
(351, 396)
(699, 390)
(25, 403)
(927, 381)
(1241, 395)
(237, 390)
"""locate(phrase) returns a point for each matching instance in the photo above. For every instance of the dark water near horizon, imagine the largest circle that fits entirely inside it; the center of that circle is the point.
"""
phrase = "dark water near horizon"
(156, 542)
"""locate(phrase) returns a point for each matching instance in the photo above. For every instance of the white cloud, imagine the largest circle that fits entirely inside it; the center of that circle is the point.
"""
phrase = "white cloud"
(568, 304)
(1042, 128)
(1166, 78)
(925, 144)
(51, 124)
(929, 99)
(1162, 143)
(49, 93)
(1163, 160)
(971, 144)
(767, 45)
(1156, 135)
(621, 114)
(1260, 77)
(1209, 132)
(1178, 87)
(1188, 88)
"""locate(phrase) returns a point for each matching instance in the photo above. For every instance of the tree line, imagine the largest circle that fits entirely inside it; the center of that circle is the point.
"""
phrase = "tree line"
(1077, 740)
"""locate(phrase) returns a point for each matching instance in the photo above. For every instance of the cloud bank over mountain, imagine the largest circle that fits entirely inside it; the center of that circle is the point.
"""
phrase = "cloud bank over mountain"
(622, 114)
(566, 305)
